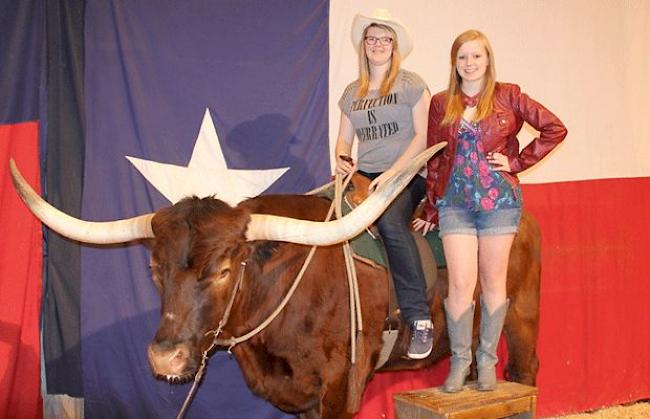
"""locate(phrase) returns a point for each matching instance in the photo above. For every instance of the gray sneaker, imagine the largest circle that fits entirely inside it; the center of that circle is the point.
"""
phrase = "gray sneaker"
(421, 339)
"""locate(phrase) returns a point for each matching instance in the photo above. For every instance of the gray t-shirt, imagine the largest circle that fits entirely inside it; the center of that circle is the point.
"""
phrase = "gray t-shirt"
(383, 125)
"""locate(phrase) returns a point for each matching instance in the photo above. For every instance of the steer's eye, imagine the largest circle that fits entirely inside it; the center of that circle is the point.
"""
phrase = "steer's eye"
(216, 271)
(215, 274)
(223, 273)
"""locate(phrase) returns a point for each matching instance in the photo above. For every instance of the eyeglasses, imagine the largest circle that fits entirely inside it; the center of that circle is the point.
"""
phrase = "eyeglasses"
(384, 40)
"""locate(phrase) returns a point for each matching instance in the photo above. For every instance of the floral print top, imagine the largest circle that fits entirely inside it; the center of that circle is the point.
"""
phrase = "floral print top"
(473, 183)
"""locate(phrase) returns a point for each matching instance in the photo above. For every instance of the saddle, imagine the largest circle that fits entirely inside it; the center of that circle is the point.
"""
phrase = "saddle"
(368, 247)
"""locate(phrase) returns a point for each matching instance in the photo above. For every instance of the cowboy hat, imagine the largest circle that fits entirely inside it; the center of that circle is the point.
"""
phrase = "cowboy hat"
(382, 17)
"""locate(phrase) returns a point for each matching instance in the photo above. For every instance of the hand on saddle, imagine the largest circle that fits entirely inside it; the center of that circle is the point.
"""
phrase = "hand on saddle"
(420, 225)
(344, 164)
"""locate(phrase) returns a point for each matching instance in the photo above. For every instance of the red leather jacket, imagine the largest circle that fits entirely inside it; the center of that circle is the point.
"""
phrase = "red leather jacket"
(499, 134)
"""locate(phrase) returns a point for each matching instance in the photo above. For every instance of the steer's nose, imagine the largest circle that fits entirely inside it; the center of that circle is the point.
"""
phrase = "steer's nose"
(169, 361)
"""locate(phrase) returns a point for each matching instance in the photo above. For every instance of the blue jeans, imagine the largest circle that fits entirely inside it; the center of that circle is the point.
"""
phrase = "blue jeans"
(403, 257)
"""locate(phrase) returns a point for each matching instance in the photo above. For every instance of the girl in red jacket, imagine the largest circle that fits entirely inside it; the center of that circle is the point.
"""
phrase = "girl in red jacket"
(473, 194)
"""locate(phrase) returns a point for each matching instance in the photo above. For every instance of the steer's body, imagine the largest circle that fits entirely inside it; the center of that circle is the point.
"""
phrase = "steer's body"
(301, 361)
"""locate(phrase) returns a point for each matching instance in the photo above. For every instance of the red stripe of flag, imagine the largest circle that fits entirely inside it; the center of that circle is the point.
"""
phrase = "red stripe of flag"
(20, 279)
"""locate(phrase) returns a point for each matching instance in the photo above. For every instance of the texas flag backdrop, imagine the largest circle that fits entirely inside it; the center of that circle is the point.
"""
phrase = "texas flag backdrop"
(148, 101)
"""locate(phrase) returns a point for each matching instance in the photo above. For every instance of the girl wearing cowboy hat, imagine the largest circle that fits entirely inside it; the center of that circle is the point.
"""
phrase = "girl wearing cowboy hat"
(473, 190)
(386, 108)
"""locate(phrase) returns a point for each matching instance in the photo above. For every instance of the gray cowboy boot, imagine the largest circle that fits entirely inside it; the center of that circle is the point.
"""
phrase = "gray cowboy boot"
(486, 355)
(460, 343)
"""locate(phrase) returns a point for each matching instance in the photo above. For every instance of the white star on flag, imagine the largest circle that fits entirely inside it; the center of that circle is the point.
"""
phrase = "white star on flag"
(206, 174)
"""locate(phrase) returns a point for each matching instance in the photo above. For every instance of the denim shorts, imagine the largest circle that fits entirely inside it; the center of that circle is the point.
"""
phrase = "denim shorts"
(478, 223)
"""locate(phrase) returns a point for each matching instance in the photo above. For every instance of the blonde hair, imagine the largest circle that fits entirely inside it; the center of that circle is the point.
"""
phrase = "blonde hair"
(364, 68)
(454, 107)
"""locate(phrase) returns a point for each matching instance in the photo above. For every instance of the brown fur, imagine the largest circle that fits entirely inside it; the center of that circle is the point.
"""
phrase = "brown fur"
(301, 361)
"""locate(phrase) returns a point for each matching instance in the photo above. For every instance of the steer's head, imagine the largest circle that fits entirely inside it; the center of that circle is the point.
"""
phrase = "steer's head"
(195, 259)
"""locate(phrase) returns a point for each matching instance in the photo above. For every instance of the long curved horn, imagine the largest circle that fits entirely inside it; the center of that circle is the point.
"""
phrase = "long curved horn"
(106, 232)
(271, 227)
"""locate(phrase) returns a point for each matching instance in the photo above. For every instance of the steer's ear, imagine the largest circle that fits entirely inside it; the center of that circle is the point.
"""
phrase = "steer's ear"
(263, 250)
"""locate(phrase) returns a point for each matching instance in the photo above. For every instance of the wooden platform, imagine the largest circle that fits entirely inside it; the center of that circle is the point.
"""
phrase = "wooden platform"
(509, 400)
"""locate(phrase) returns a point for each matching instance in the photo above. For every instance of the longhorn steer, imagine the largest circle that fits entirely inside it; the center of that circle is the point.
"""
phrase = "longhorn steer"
(301, 361)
